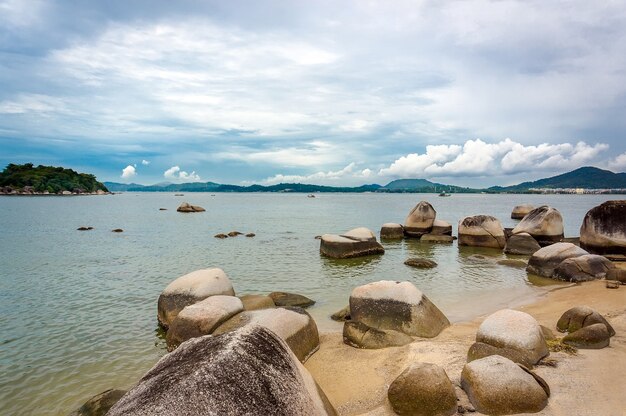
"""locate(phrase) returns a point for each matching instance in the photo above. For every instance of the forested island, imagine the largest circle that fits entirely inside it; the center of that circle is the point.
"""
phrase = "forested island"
(28, 179)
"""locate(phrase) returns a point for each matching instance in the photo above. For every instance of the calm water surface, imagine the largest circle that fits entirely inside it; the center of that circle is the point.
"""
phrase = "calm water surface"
(78, 309)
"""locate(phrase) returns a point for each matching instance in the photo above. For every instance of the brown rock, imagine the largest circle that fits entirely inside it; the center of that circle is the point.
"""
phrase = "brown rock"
(420, 263)
(420, 220)
(603, 230)
(99, 404)
(544, 223)
(186, 207)
(579, 317)
(481, 231)
(291, 299)
(522, 243)
(544, 261)
(583, 268)
(391, 231)
(617, 274)
(359, 335)
(256, 302)
(594, 336)
(355, 243)
(520, 211)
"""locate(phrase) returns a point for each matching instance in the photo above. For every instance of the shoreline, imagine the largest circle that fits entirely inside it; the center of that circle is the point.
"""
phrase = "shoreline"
(356, 381)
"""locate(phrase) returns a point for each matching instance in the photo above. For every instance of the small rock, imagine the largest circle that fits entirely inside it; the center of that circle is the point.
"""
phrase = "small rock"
(99, 404)
(250, 235)
(84, 228)
(420, 263)
(520, 211)
(359, 335)
(221, 236)
(435, 238)
(117, 230)
(579, 317)
(594, 336)
(522, 243)
(291, 299)
(355, 243)
(391, 231)
(256, 302)
(342, 315)
(186, 207)
(617, 274)
(162, 209)
(234, 233)
(611, 284)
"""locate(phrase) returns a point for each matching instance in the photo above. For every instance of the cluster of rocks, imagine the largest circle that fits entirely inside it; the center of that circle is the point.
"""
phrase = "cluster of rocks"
(233, 234)
(585, 328)
(29, 190)
(568, 262)
(187, 207)
(355, 243)
(420, 223)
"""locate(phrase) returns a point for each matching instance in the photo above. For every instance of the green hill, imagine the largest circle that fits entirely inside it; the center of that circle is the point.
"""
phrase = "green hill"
(423, 186)
(48, 179)
(586, 177)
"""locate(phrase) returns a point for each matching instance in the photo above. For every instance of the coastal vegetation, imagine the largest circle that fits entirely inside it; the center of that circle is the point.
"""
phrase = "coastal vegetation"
(28, 179)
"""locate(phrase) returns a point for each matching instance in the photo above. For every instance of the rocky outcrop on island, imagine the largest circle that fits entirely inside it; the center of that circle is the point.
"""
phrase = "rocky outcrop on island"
(586, 328)
(497, 386)
(189, 289)
(250, 371)
(355, 243)
(391, 231)
(423, 389)
(99, 404)
(583, 268)
(420, 220)
(603, 230)
(543, 262)
(544, 224)
(520, 211)
(522, 244)
(398, 306)
(187, 207)
(481, 231)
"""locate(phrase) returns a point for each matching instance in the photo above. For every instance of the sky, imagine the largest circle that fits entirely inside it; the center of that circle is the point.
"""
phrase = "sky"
(470, 93)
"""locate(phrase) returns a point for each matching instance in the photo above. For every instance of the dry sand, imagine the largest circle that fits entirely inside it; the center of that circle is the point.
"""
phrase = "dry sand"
(593, 382)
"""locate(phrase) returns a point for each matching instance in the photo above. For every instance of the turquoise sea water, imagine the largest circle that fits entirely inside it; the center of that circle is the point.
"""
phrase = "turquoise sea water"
(78, 309)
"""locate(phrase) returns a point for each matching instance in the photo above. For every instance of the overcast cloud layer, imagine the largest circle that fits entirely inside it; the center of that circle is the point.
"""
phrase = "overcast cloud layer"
(471, 92)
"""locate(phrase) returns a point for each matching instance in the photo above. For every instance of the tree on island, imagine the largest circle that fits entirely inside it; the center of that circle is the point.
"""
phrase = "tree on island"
(48, 179)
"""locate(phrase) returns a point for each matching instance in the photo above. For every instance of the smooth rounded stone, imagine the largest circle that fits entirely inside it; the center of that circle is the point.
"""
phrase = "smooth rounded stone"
(544, 223)
(420, 220)
(603, 230)
(583, 268)
(481, 231)
(256, 302)
(234, 233)
(617, 274)
(520, 211)
(522, 243)
(293, 325)
(189, 289)
(480, 350)
(391, 231)
(441, 227)
(579, 317)
(341, 315)
(399, 306)
(291, 299)
(515, 330)
(354, 243)
(594, 337)
(518, 264)
(117, 230)
(544, 261)
(246, 372)
(220, 236)
(202, 318)
(496, 385)
(436, 238)
(186, 207)
(99, 404)
(423, 389)
(359, 335)
(420, 263)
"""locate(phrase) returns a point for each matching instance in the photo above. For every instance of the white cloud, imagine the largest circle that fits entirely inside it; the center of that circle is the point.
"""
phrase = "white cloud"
(478, 158)
(347, 172)
(145, 162)
(315, 153)
(619, 163)
(175, 174)
(129, 172)
(33, 103)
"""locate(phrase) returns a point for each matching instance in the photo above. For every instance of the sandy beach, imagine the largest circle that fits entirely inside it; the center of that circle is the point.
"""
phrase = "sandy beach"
(588, 383)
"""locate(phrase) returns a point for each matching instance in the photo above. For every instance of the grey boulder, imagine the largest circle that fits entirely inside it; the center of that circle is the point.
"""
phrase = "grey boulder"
(291, 299)
(579, 317)
(583, 268)
(420, 220)
(520, 211)
(355, 243)
(522, 244)
(99, 404)
(481, 231)
(603, 230)
(544, 223)
(391, 231)
(543, 262)
(441, 227)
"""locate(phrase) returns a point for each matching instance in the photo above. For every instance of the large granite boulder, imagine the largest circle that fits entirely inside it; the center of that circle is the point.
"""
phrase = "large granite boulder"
(544, 223)
(579, 317)
(423, 389)
(291, 299)
(583, 268)
(202, 318)
(246, 372)
(355, 243)
(481, 231)
(99, 404)
(420, 220)
(399, 306)
(515, 330)
(544, 261)
(441, 227)
(520, 211)
(603, 230)
(255, 302)
(391, 231)
(294, 325)
(522, 243)
(186, 207)
(594, 337)
(497, 386)
(359, 335)
(189, 289)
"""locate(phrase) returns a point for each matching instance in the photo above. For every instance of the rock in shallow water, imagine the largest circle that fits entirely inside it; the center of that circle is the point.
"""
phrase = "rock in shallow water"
(99, 404)
(544, 223)
(522, 244)
(544, 261)
(420, 220)
(246, 372)
(355, 243)
(420, 263)
(391, 231)
(187, 207)
(481, 231)
(520, 211)
(583, 268)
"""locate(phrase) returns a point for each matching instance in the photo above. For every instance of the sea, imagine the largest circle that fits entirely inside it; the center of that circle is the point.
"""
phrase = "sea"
(78, 308)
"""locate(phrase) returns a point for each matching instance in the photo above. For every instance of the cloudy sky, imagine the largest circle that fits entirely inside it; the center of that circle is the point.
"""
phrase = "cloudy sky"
(334, 92)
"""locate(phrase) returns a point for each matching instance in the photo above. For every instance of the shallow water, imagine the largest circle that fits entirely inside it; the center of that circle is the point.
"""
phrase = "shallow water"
(78, 309)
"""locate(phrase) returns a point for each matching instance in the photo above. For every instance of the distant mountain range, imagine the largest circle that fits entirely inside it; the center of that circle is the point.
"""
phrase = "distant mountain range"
(586, 177)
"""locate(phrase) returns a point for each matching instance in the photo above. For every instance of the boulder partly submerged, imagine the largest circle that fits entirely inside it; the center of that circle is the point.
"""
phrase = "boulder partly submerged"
(246, 372)
(189, 289)
(99, 404)
(420, 220)
(520, 211)
(603, 230)
(583, 268)
(544, 223)
(399, 306)
(544, 261)
(187, 207)
(481, 231)
(522, 244)
(441, 227)
(355, 243)
(391, 231)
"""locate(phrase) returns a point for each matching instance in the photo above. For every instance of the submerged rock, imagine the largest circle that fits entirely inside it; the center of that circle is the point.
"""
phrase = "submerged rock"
(603, 230)
(420, 263)
(437, 238)
(420, 220)
(341, 315)
(99, 404)
(583, 268)
(355, 243)
(186, 207)
(359, 335)
(522, 243)
(544, 261)
(544, 223)
(399, 306)
(481, 231)
(423, 389)
(391, 231)
(291, 299)
(520, 211)
(246, 372)
(189, 289)
(441, 227)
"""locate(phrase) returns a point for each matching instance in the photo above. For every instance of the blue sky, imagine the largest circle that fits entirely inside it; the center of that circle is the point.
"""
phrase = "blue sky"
(467, 92)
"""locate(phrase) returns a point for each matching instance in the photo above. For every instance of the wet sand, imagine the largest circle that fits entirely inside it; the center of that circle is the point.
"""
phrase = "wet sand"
(589, 383)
